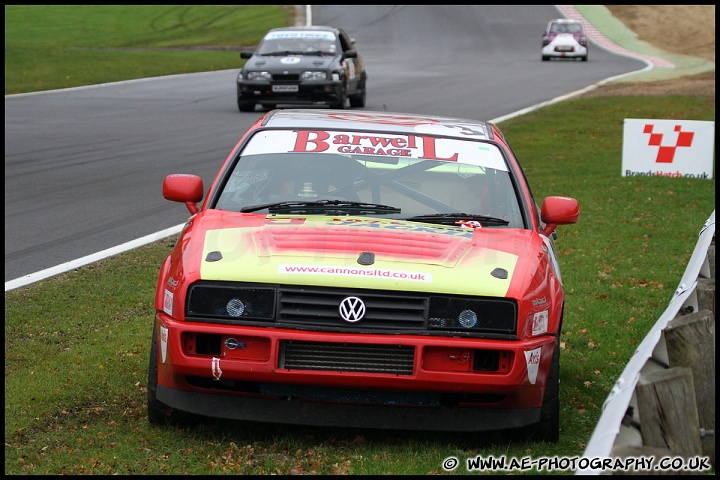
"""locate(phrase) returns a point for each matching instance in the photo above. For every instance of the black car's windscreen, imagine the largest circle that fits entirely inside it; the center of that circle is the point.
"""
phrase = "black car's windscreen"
(462, 176)
(298, 43)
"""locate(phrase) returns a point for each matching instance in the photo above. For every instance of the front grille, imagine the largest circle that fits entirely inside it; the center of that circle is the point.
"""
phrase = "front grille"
(346, 357)
(286, 77)
(320, 307)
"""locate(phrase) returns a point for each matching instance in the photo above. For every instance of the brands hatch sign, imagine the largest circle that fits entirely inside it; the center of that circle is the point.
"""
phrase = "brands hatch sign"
(668, 148)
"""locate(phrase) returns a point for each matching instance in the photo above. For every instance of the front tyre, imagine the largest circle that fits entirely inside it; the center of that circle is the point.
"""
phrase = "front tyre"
(358, 99)
(548, 428)
(342, 99)
(158, 412)
(244, 106)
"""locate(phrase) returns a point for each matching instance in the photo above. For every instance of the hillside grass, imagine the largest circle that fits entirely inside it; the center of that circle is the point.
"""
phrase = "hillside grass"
(60, 46)
(76, 345)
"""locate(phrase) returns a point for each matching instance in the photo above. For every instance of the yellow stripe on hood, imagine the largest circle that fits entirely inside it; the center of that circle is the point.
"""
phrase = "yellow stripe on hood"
(419, 258)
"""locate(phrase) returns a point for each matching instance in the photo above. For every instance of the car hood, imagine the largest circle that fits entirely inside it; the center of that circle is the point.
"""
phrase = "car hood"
(289, 63)
(359, 252)
(565, 39)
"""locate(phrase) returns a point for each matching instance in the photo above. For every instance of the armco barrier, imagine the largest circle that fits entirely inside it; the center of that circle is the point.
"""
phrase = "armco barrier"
(663, 404)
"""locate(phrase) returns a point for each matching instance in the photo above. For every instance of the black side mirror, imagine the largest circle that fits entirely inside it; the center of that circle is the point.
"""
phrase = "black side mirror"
(246, 54)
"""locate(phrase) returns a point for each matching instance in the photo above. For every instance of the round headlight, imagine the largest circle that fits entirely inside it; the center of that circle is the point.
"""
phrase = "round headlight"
(235, 307)
(467, 319)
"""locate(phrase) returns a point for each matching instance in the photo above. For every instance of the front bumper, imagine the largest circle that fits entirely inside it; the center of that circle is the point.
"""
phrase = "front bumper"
(569, 50)
(306, 94)
(257, 374)
(298, 412)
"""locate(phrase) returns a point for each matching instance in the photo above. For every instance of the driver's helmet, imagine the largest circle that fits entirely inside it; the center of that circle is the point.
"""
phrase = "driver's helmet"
(283, 45)
(327, 46)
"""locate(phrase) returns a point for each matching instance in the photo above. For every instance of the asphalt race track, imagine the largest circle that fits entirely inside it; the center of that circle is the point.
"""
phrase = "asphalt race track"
(84, 167)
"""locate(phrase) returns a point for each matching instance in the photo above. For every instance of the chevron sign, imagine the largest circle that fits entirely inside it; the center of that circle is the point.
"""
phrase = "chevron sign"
(668, 148)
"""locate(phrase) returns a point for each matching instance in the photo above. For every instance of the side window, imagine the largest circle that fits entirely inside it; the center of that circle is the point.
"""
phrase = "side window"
(345, 42)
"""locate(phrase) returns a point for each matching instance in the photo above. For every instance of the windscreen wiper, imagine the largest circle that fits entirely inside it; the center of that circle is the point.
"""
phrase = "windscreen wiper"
(456, 218)
(283, 52)
(327, 207)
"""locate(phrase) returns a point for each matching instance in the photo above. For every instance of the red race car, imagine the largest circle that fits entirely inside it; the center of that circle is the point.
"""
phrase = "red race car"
(365, 269)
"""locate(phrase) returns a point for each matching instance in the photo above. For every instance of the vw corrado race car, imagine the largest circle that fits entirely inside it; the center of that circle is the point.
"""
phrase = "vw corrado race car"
(565, 38)
(369, 269)
(314, 65)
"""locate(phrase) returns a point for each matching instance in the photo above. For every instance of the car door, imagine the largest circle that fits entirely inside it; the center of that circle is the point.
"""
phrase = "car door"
(352, 66)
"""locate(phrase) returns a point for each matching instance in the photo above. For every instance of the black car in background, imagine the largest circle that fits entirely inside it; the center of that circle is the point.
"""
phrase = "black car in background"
(313, 65)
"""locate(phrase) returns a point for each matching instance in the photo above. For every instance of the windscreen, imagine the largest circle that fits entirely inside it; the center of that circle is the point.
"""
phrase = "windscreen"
(297, 43)
(419, 175)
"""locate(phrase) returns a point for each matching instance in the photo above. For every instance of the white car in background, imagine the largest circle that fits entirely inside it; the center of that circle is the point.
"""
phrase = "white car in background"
(565, 38)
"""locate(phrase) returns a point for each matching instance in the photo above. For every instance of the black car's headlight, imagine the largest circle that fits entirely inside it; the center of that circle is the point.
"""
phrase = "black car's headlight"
(473, 315)
(313, 75)
(262, 76)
